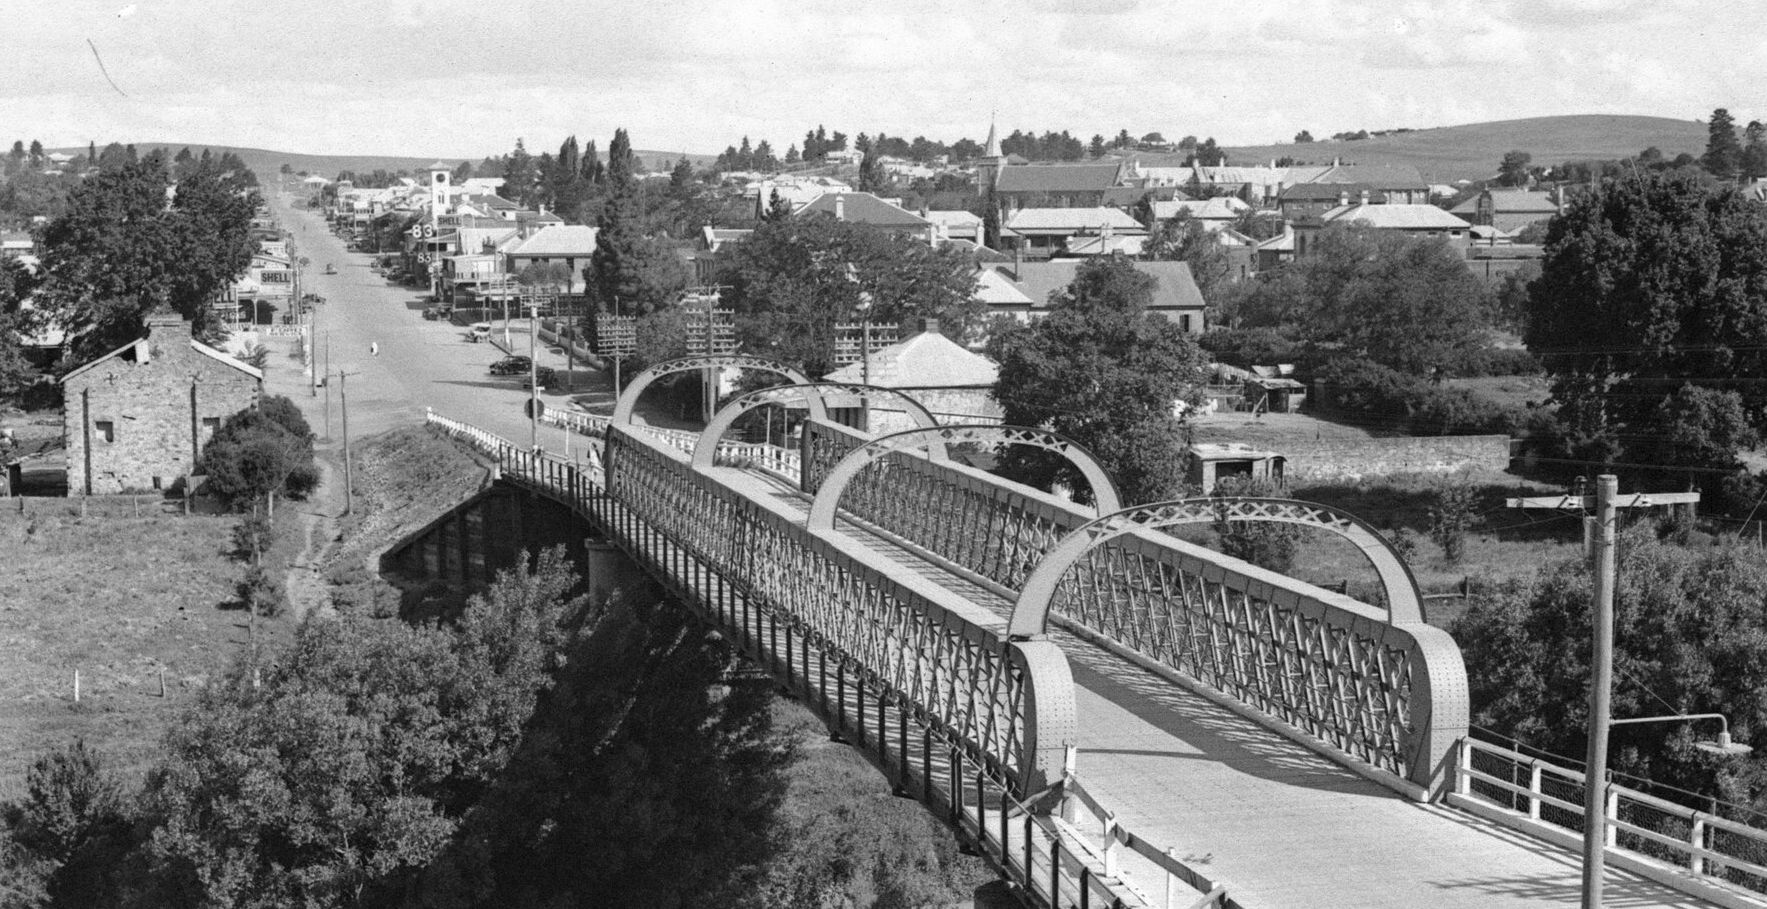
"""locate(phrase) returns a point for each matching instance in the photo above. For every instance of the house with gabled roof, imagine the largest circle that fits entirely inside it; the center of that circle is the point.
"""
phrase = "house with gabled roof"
(1410, 220)
(1047, 185)
(137, 418)
(865, 208)
(948, 380)
(569, 245)
(1044, 231)
(1176, 297)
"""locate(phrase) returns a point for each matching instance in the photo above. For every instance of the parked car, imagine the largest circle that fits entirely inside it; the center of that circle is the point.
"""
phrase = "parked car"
(509, 366)
(478, 332)
(545, 375)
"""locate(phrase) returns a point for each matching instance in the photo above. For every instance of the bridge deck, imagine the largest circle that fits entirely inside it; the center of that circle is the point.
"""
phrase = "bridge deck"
(1282, 826)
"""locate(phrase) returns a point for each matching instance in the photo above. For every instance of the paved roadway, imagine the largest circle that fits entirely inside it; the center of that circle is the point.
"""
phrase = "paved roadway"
(420, 363)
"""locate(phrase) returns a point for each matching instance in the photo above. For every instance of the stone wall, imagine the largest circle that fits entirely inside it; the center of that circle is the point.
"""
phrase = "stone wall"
(1353, 459)
(157, 414)
(945, 403)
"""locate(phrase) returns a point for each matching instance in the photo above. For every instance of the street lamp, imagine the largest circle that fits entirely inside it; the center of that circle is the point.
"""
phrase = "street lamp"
(1595, 806)
(1723, 746)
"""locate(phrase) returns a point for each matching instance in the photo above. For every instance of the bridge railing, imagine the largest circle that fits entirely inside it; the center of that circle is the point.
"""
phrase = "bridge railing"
(970, 691)
(1331, 672)
(1648, 835)
(940, 662)
(781, 462)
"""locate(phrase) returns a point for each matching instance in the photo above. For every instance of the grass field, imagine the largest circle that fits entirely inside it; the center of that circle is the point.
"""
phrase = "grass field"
(119, 598)
(1472, 151)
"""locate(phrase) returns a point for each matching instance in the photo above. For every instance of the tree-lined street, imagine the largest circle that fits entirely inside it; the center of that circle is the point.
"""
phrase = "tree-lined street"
(420, 363)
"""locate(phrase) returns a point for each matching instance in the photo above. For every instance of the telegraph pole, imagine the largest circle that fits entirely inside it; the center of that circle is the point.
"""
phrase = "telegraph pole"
(533, 375)
(1606, 502)
(343, 393)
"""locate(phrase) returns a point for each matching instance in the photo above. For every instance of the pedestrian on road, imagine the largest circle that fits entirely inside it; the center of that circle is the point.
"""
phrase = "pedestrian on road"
(374, 348)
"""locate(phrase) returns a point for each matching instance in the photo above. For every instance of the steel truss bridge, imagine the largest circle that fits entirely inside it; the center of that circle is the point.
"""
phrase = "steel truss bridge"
(1110, 715)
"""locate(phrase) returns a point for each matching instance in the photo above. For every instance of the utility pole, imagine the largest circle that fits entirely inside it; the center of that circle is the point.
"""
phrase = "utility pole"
(343, 393)
(1606, 502)
(328, 385)
(533, 375)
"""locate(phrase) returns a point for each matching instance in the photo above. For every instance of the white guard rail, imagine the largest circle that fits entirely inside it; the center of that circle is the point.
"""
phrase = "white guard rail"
(1694, 851)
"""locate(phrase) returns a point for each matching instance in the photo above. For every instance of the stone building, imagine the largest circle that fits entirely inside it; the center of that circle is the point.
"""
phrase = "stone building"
(136, 419)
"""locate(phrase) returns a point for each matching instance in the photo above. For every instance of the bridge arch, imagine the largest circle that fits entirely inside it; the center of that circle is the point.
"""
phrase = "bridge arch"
(1030, 613)
(706, 449)
(629, 398)
(828, 495)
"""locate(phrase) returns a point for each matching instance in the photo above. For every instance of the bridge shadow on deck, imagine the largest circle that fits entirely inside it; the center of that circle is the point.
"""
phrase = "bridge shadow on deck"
(1203, 731)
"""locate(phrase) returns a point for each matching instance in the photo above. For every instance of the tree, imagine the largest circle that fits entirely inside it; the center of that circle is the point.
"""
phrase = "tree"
(1723, 153)
(1513, 171)
(1266, 544)
(1754, 152)
(794, 279)
(638, 272)
(1102, 371)
(1096, 148)
(520, 174)
(349, 768)
(1184, 239)
(871, 176)
(260, 453)
(1303, 137)
(119, 250)
(1651, 288)
(1688, 636)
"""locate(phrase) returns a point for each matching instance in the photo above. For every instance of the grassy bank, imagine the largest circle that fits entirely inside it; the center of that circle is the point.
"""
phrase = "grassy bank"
(120, 599)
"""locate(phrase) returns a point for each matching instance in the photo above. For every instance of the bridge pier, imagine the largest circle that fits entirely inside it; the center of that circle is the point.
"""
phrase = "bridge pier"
(495, 529)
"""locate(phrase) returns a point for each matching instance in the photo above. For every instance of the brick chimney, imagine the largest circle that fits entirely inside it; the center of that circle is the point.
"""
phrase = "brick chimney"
(1364, 198)
(164, 329)
(929, 326)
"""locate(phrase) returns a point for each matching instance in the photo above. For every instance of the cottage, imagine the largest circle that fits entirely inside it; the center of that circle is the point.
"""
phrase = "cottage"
(1043, 231)
(138, 417)
(562, 249)
(933, 370)
(1023, 289)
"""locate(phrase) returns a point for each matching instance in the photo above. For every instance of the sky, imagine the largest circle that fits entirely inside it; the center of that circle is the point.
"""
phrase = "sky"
(465, 79)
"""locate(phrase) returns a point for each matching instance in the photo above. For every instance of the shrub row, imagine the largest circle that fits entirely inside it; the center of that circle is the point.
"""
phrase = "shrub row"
(1363, 391)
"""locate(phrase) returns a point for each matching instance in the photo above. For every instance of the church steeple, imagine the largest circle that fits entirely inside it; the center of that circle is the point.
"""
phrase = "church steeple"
(989, 164)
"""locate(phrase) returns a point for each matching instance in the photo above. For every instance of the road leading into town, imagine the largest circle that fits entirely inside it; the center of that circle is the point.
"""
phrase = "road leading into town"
(394, 363)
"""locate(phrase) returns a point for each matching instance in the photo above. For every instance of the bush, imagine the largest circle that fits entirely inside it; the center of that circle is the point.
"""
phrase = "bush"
(1497, 361)
(265, 450)
(1248, 347)
(1364, 391)
(1262, 543)
(257, 589)
(1451, 517)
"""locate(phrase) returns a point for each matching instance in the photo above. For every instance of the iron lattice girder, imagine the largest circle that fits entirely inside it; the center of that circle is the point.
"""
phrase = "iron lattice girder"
(815, 394)
(1404, 601)
(629, 398)
(828, 493)
(1010, 705)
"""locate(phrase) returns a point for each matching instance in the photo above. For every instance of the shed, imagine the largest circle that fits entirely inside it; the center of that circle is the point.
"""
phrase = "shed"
(1271, 391)
(1210, 462)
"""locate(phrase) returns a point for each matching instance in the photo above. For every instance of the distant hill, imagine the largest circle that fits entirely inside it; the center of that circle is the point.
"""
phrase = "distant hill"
(1471, 152)
(268, 163)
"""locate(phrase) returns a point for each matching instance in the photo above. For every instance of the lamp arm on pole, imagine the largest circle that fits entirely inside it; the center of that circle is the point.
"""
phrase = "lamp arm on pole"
(1723, 721)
